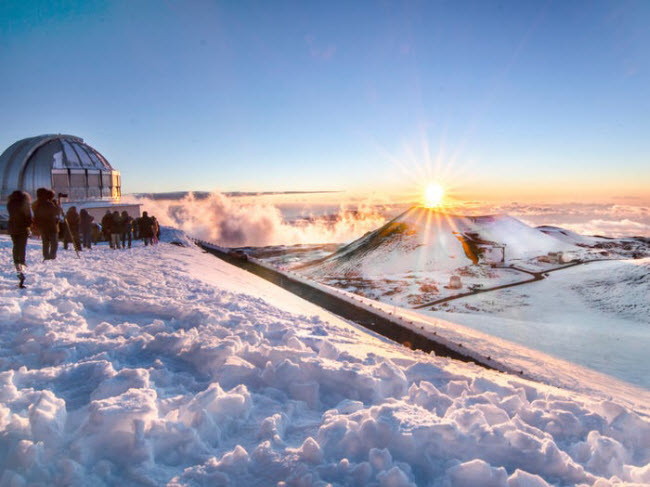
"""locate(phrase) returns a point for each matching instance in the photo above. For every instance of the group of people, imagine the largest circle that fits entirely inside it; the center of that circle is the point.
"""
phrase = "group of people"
(122, 228)
(48, 220)
(81, 229)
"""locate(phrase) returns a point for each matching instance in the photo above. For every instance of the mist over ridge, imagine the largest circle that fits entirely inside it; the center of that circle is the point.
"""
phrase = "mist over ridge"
(288, 218)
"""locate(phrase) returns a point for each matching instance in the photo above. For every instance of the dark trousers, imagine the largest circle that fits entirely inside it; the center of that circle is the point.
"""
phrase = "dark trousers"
(126, 236)
(147, 240)
(20, 244)
(75, 241)
(87, 239)
(50, 245)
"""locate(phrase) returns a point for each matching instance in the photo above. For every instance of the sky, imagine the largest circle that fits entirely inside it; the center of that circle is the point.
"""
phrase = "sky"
(544, 101)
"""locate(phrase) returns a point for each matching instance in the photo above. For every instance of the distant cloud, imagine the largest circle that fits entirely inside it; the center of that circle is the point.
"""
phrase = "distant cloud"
(609, 228)
(614, 220)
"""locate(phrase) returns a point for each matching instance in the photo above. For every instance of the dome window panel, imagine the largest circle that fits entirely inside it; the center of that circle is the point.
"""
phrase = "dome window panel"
(60, 181)
(94, 179)
(78, 179)
(71, 156)
(106, 179)
(83, 156)
(78, 185)
(104, 161)
(97, 163)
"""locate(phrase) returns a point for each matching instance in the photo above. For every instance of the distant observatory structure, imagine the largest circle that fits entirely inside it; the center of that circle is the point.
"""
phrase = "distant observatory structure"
(69, 167)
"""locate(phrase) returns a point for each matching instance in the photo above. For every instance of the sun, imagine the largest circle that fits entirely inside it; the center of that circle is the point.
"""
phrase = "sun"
(433, 195)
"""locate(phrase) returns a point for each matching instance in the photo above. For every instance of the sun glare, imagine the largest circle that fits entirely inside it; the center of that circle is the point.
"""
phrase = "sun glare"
(433, 195)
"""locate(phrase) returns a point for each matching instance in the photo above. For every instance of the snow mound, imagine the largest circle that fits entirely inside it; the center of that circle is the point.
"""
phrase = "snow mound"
(165, 366)
(175, 236)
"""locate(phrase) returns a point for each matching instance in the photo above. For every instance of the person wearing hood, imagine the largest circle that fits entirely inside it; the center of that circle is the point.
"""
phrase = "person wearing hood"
(86, 227)
(72, 217)
(116, 230)
(46, 219)
(146, 228)
(20, 222)
(127, 224)
(107, 221)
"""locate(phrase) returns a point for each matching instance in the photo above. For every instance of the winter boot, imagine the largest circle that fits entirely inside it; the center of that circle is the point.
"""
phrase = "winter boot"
(21, 276)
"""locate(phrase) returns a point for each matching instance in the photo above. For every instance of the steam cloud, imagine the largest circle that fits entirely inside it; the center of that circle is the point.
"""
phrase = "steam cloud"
(237, 222)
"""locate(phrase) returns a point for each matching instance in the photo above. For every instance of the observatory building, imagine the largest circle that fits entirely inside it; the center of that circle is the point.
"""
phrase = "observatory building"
(69, 167)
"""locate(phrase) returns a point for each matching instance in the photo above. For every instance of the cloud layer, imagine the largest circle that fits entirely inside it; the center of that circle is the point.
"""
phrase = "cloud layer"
(266, 220)
(233, 222)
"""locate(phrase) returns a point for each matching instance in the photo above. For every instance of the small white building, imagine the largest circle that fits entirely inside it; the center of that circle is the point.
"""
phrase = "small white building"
(552, 258)
(455, 282)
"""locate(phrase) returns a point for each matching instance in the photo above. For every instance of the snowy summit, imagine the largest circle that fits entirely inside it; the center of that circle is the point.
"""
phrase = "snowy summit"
(166, 366)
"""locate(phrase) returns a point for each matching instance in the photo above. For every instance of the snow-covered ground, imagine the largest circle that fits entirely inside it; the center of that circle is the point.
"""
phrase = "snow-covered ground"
(164, 365)
(597, 315)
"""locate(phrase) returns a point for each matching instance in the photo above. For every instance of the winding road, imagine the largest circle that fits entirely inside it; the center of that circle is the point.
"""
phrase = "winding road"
(537, 276)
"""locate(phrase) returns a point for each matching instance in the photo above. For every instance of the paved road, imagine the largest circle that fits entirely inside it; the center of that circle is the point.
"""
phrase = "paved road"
(537, 276)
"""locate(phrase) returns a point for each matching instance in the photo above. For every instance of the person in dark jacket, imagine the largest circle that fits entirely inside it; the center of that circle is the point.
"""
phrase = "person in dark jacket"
(146, 228)
(20, 221)
(127, 224)
(116, 230)
(40, 194)
(107, 221)
(46, 219)
(73, 219)
(96, 233)
(136, 229)
(86, 227)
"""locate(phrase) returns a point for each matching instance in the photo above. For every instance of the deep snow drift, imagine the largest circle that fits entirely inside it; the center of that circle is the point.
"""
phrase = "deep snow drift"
(165, 365)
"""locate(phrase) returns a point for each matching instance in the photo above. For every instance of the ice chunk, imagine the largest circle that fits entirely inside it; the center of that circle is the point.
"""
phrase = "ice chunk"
(310, 451)
(124, 380)
(47, 416)
(395, 477)
(380, 459)
(525, 479)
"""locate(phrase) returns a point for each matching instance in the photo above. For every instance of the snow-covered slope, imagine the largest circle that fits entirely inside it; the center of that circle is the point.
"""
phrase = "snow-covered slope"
(621, 288)
(570, 236)
(164, 365)
(424, 239)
